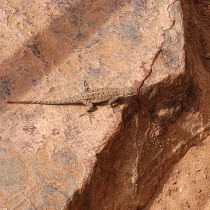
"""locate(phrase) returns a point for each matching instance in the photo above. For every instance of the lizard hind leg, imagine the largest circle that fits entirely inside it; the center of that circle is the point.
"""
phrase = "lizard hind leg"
(110, 103)
(115, 109)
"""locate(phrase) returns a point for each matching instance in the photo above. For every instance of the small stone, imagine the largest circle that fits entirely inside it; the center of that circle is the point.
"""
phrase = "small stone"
(197, 169)
(187, 205)
(208, 55)
(180, 190)
(198, 190)
(174, 182)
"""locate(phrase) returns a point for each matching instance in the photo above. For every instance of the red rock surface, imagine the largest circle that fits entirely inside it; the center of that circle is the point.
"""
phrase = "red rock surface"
(186, 184)
(53, 159)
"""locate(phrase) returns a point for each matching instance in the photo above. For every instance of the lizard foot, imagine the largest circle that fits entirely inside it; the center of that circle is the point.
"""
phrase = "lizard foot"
(115, 109)
(89, 114)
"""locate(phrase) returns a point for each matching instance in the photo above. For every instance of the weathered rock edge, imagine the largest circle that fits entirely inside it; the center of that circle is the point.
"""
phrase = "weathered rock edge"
(158, 128)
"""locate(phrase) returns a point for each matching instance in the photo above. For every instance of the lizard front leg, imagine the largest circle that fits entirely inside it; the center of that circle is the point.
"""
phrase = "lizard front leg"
(89, 105)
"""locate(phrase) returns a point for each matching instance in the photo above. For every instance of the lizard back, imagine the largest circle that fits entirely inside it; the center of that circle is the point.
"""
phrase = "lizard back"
(93, 96)
(106, 94)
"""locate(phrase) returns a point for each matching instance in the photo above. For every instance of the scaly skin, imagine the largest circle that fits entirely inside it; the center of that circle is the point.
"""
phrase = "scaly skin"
(89, 97)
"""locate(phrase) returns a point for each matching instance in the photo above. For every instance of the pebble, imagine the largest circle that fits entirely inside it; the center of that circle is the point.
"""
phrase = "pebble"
(208, 55)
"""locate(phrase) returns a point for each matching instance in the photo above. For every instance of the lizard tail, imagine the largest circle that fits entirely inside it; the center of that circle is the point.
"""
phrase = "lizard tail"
(36, 102)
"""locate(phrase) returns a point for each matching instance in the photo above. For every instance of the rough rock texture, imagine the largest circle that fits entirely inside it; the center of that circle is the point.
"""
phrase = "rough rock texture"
(51, 158)
(186, 184)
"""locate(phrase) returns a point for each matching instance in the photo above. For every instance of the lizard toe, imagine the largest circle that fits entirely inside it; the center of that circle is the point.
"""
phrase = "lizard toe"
(116, 109)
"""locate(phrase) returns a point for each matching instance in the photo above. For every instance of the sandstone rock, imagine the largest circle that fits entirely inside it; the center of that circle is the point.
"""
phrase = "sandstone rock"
(53, 159)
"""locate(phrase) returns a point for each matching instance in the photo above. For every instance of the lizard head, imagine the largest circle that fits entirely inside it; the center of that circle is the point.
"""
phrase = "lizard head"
(130, 91)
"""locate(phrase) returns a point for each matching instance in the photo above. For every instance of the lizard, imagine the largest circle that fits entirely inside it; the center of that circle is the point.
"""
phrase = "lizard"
(89, 97)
